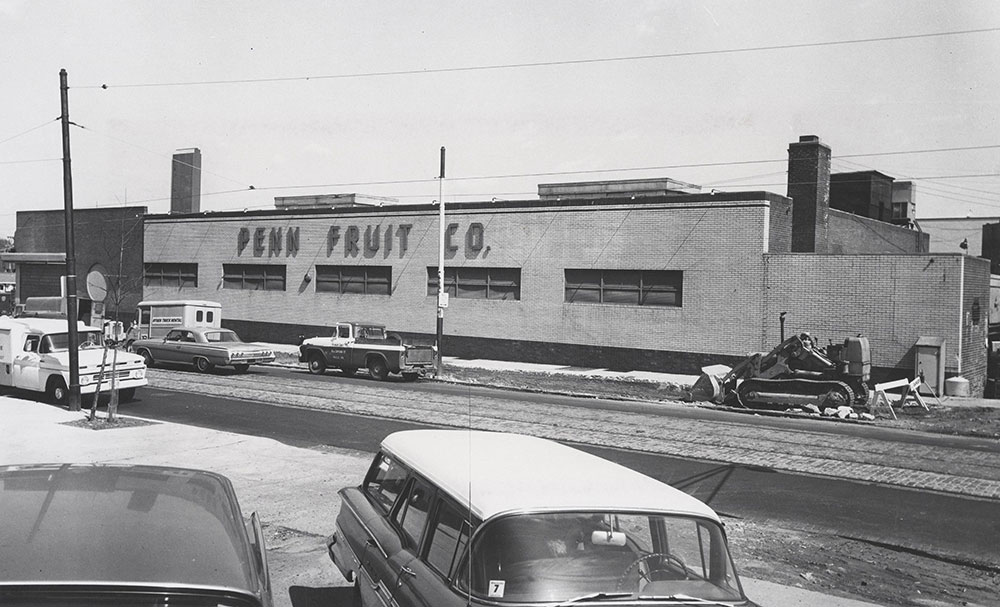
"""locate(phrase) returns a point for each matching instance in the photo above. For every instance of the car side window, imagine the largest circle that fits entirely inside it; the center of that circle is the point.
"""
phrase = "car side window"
(446, 538)
(385, 481)
(31, 343)
(173, 336)
(411, 515)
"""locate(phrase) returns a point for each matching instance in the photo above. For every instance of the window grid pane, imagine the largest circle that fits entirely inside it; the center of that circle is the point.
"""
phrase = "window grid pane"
(477, 283)
(624, 287)
(354, 280)
(253, 277)
(170, 275)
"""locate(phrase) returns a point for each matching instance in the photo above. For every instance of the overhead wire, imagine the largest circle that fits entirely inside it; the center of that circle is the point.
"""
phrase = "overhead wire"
(537, 64)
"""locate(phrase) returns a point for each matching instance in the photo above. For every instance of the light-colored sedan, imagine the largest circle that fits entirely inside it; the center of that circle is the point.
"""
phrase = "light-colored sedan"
(203, 347)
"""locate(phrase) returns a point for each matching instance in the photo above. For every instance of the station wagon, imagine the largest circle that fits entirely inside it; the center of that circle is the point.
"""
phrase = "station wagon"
(454, 517)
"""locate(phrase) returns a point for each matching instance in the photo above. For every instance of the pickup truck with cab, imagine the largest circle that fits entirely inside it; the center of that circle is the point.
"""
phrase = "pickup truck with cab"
(354, 346)
(34, 355)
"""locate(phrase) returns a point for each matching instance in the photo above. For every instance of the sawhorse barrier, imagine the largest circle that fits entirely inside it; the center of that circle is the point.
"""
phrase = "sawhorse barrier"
(911, 391)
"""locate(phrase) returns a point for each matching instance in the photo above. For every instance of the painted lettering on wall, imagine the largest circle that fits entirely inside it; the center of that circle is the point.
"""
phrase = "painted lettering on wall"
(376, 238)
(369, 240)
(270, 241)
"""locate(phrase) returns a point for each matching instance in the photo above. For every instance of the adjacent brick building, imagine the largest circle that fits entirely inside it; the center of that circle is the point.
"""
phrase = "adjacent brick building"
(637, 274)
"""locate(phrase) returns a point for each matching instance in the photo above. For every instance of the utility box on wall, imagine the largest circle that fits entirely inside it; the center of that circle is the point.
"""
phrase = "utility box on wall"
(929, 360)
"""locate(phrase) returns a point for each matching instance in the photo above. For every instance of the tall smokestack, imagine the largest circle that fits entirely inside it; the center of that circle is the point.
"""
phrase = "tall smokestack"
(185, 181)
(809, 189)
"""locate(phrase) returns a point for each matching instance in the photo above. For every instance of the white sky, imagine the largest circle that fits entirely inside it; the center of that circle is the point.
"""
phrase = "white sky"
(334, 135)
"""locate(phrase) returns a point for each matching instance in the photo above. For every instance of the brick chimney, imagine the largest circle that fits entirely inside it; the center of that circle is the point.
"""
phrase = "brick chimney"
(809, 189)
(185, 181)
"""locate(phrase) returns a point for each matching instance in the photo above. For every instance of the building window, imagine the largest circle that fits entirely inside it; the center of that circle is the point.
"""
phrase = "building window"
(362, 280)
(253, 277)
(170, 275)
(625, 287)
(477, 283)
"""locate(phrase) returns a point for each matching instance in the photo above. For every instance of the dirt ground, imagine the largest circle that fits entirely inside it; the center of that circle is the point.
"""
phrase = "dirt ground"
(763, 549)
(834, 565)
(303, 576)
(854, 569)
(983, 422)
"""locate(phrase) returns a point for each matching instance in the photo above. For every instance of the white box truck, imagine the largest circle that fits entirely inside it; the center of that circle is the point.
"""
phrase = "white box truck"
(34, 355)
(156, 318)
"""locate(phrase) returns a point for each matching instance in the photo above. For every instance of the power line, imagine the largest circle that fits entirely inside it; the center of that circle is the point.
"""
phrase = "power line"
(34, 128)
(505, 66)
(158, 154)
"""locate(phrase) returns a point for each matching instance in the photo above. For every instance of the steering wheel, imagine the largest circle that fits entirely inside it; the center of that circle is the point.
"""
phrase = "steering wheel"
(649, 573)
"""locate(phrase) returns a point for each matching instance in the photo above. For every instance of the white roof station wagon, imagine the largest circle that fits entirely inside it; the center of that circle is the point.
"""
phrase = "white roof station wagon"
(456, 517)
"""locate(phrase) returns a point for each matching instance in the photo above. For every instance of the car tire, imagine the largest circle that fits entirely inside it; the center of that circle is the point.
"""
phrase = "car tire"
(57, 391)
(202, 365)
(317, 365)
(378, 369)
(241, 368)
(126, 395)
(147, 357)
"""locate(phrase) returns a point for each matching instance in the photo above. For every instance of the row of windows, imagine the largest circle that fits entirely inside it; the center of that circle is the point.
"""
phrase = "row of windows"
(624, 287)
(441, 543)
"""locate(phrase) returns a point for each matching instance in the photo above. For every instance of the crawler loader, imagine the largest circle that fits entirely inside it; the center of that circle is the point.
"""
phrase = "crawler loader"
(794, 374)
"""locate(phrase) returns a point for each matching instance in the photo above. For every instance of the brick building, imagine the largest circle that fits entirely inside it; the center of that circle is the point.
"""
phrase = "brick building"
(108, 242)
(638, 274)
(617, 274)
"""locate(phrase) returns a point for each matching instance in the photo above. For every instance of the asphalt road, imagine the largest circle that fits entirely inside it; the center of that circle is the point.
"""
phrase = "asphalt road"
(943, 526)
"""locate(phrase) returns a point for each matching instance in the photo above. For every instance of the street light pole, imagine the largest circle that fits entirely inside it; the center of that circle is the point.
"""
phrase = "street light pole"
(442, 301)
(71, 306)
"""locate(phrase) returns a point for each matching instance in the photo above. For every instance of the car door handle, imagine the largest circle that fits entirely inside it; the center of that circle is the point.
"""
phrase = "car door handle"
(407, 571)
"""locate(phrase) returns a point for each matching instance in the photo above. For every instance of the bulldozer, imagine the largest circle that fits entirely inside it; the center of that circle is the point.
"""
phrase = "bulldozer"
(794, 374)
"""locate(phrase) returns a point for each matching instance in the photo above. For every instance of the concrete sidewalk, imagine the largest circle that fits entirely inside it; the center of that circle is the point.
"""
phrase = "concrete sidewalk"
(290, 487)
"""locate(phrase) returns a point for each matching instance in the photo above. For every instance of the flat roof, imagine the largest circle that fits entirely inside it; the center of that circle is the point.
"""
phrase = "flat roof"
(118, 524)
(496, 473)
(721, 199)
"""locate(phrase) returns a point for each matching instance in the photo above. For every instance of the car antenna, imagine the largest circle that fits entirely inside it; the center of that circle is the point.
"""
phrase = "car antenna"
(468, 583)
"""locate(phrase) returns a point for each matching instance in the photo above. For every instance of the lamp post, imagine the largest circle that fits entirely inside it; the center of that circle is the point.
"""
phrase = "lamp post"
(442, 299)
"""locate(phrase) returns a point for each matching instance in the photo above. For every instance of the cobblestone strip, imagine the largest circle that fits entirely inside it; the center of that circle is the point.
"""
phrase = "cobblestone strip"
(924, 467)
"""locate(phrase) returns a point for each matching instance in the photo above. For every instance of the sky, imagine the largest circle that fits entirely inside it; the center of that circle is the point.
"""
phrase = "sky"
(325, 97)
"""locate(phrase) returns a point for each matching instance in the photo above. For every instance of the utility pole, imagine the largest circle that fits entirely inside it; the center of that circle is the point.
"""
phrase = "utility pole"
(442, 302)
(71, 307)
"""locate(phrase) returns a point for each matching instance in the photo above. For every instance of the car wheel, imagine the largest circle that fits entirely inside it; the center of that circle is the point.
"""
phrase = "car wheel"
(202, 365)
(126, 395)
(349, 370)
(57, 391)
(410, 376)
(378, 369)
(317, 365)
(241, 368)
(147, 358)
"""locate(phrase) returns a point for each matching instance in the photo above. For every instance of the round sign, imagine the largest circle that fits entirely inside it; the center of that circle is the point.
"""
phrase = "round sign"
(97, 285)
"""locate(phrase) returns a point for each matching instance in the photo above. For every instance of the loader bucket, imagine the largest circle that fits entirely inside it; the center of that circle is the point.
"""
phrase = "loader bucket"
(706, 388)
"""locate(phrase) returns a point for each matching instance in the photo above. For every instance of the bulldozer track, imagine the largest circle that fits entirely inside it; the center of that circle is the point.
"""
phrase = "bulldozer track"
(752, 392)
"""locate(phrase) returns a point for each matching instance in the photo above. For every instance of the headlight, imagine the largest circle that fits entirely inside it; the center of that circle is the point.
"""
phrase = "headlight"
(85, 380)
(137, 373)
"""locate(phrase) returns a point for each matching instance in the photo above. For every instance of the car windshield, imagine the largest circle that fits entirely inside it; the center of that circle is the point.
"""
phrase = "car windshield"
(59, 342)
(560, 556)
(221, 336)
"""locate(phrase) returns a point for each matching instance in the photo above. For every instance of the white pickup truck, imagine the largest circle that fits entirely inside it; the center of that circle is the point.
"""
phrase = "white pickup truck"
(353, 346)
(34, 355)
